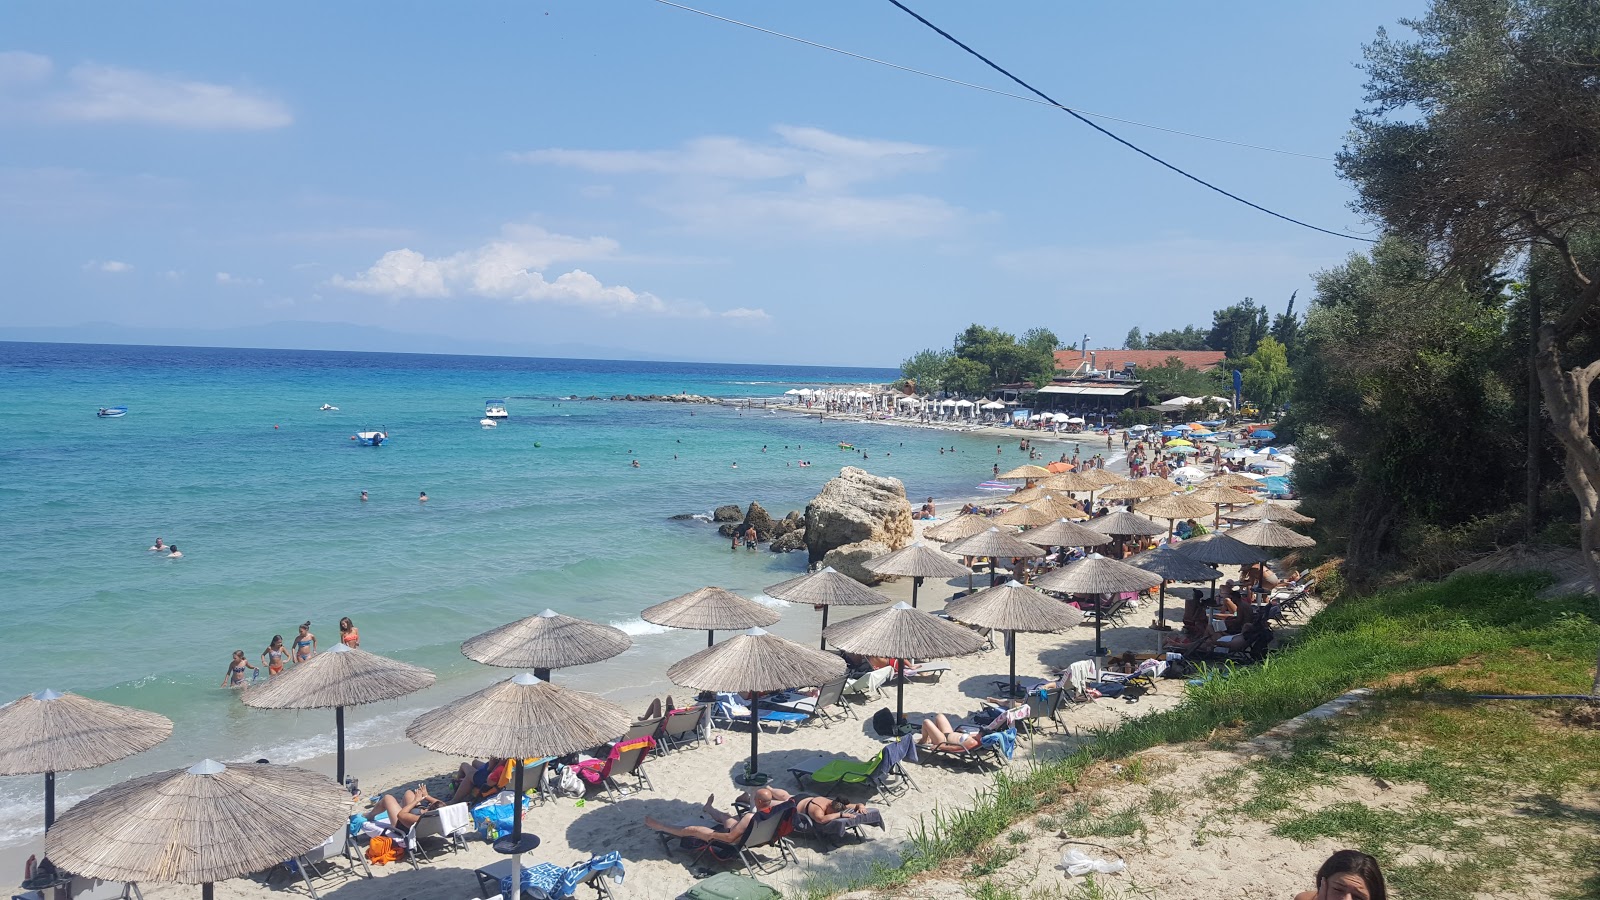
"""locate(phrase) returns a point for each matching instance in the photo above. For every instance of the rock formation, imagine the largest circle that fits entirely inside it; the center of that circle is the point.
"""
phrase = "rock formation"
(848, 560)
(789, 541)
(758, 518)
(857, 506)
(728, 513)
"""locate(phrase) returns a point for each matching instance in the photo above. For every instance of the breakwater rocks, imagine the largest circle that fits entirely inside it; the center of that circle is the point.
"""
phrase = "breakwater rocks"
(664, 398)
(780, 535)
(856, 516)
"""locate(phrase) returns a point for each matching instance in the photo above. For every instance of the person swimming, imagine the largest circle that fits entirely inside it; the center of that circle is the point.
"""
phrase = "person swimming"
(363, 496)
(159, 546)
(348, 635)
(305, 643)
(234, 677)
(174, 552)
(274, 657)
(423, 498)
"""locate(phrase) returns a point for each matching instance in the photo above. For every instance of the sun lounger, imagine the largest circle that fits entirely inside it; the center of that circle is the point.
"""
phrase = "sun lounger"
(320, 862)
(885, 773)
(827, 705)
(643, 727)
(683, 728)
(731, 709)
(1144, 675)
(934, 670)
(554, 882)
(768, 829)
(77, 887)
(871, 684)
(994, 748)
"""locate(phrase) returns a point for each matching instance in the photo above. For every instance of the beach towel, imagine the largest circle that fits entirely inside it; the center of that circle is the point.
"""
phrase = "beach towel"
(872, 682)
(595, 771)
(558, 883)
(454, 818)
(1005, 740)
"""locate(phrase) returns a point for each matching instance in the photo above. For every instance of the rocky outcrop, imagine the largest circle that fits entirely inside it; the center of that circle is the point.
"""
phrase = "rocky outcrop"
(728, 513)
(758, 518)
(849, 560)
(681, 517)
(789, 541)
(728, 529)
(858, 506)
(663, 398)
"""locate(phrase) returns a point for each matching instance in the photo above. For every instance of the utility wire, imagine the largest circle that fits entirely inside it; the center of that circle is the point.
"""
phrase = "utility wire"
(988, 90)
(1123, 141)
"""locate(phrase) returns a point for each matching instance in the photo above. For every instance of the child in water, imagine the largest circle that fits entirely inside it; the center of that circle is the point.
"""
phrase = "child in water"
(234, 677)
(274, 657)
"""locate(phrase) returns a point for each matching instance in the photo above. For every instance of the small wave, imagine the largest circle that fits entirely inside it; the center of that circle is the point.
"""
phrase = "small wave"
(366, 733)
(773, 602)
(702, 517)
(22, 819)
(638, 627)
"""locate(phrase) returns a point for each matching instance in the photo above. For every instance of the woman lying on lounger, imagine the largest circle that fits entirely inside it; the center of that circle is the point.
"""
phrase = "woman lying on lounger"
(938, 734)
(404, 812)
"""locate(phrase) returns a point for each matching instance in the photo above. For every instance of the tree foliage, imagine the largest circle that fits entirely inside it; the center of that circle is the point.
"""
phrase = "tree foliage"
(1237, 329)
(1173, 379)
(1267, 376)
(925, 370)
(1186, 338)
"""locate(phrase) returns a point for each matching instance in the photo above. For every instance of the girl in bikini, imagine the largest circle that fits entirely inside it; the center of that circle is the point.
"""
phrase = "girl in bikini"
(305, 643)
(348, 633)
(234, 677)
(274, 657)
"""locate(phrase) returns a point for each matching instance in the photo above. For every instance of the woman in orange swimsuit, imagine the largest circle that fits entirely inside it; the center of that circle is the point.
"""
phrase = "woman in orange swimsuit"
(348, 633)
(274, 657)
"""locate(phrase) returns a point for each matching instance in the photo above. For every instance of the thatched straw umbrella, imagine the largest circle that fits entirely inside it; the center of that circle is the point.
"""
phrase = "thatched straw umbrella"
(1222, 550)
(1075, 482)
(710, 609)
(901, 633)
(918, 561)
(1269, 512)
(1025, 473)
(1234, 480)
(1065, 533)
(546, 641)
(1220, 496)
(200, 825)
(1104, 477)
(1172, 508)
(1123, 522)
(49, 732)
(1013, 608)
(756, 663)
(1026, 495)
(1094, 574)
(1173, 566)
(824, 589)
(1061, 506)
(961, 526)
(993, 544)
(1026, 516)
(1266, 533)
(338, 677)
(521, 717)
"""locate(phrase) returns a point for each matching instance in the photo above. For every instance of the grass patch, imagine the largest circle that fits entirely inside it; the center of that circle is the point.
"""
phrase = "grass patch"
(1526, 645)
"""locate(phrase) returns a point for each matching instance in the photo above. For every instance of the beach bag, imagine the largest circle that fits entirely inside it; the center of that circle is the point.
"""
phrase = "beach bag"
(729, 886)
(883, 722)
(382, 850)
(569, 785)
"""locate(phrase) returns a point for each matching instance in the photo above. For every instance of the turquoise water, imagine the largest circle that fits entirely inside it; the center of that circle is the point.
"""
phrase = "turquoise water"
(225, 453)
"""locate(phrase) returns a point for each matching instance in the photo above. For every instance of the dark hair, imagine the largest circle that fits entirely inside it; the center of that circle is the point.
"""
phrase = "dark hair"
(306, 624)
(1354, 862)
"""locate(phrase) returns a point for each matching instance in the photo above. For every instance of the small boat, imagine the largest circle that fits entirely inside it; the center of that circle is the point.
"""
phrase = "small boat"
(488, 423)
(495, 409)
(370, 438)
(112, 412)
(327, 408)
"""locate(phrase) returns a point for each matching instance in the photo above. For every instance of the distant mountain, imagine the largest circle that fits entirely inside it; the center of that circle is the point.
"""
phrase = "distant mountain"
(316, 336)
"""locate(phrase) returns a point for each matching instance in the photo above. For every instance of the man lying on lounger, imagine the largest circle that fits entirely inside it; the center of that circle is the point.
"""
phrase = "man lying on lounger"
(729, 828)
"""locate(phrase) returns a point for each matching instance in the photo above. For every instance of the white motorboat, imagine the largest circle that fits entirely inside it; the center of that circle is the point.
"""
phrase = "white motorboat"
(328, 408)
(488, 423)
(495, 409)
(370, 438)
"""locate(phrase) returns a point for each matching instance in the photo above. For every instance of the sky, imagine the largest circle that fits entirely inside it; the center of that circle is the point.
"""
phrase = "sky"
(624, 177)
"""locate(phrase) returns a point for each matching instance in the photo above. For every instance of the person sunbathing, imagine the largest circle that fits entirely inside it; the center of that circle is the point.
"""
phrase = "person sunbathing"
(730, 829)
(938, 734)
(822, 810)
(478, 779)
(403, 813)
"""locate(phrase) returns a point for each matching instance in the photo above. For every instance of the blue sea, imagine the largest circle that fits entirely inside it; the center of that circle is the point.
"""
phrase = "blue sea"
(225, 453)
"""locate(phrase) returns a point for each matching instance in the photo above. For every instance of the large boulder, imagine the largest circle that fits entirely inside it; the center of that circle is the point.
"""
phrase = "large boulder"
(728, 513)
(758, 518)
(849, 560)
(857, 506)
(789, 541)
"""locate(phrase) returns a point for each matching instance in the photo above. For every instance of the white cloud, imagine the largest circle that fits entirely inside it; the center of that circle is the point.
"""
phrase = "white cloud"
(805, 180)
(745, 314)
(113, 266)
(512, 268)
(232, 280)
(92, 92)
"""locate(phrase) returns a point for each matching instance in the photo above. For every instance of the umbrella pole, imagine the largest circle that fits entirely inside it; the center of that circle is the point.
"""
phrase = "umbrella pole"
(1161, 615)
(1098, 649)
(824, 626)
(1011, 638)
(749, 778)
(900, 693)
(205, 891)
(916, 582)
(710, 636)
(338, 727)
(49, 800)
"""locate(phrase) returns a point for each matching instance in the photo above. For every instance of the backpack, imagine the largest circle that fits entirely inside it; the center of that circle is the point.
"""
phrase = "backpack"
(883, 722)
(383, 850)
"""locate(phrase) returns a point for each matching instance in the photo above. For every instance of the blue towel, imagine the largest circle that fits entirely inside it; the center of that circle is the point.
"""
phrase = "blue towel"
(610, 863)
(1007, 741)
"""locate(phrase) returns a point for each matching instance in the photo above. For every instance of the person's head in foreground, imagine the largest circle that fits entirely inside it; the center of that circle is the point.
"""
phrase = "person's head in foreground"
(1348, 875)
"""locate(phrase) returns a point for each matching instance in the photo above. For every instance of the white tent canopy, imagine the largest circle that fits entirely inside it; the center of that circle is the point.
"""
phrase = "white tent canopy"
(963, 403)
(994, 404)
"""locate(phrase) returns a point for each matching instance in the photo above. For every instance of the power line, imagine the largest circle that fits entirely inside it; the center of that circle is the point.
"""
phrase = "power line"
(1123, 141)
(987, 90)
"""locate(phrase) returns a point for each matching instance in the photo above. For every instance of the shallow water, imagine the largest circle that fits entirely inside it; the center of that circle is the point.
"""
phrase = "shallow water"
(225, 453)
